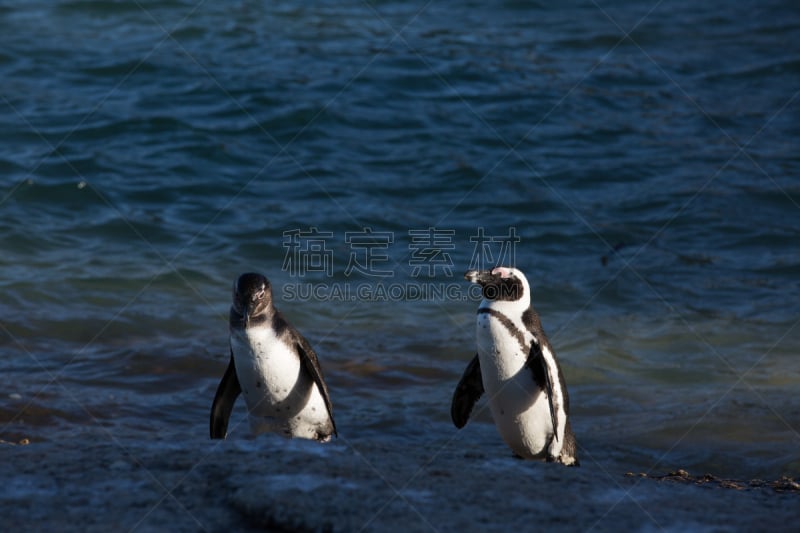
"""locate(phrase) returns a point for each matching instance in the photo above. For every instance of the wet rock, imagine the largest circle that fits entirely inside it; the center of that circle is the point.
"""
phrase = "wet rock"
(784, 484)
(358, 485)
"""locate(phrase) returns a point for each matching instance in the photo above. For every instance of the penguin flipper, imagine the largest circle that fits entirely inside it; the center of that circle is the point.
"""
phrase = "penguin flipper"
(227, 392)
(311, 365)
(467, 393)
(543, 379)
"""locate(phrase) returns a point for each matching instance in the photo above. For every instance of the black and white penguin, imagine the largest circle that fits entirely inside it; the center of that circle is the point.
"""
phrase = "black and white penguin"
(274, 366)
(518, 369)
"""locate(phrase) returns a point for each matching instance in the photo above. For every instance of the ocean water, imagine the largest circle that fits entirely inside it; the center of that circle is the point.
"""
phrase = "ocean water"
(639, 161)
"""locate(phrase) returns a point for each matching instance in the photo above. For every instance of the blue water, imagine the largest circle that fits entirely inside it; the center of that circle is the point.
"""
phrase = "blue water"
(645, 154)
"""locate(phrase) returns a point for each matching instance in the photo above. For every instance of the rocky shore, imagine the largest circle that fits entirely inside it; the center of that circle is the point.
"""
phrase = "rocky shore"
(267, 483)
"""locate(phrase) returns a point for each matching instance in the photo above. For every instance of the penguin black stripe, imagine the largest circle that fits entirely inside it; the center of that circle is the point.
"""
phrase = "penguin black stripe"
(508, 324)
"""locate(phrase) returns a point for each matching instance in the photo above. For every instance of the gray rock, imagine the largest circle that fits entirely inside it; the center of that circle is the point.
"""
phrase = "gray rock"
(351, 485)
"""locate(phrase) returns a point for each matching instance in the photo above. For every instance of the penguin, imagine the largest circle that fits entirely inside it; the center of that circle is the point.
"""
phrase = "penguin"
(517, 367)
(275, 367)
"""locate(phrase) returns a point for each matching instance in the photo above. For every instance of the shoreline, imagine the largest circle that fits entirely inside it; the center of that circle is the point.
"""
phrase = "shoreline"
(366, 485)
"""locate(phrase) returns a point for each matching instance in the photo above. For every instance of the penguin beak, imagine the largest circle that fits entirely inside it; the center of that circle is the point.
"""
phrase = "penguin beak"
(246, 314)
(479, 276)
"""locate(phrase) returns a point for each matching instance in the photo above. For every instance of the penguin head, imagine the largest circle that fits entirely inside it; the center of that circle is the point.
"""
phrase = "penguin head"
(252, 295)
(501, 284)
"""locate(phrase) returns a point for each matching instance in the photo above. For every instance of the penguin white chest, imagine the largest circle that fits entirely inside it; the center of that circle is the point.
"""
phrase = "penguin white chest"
(280, 395)
(519, 407)
(268, 370)
(497, 347)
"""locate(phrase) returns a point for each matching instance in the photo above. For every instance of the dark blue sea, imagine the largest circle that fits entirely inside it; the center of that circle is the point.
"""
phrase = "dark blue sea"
(639, 161)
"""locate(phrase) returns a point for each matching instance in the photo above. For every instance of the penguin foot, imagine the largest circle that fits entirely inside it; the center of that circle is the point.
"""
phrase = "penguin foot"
(568, 460)
(321, 437)
(565, 460)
